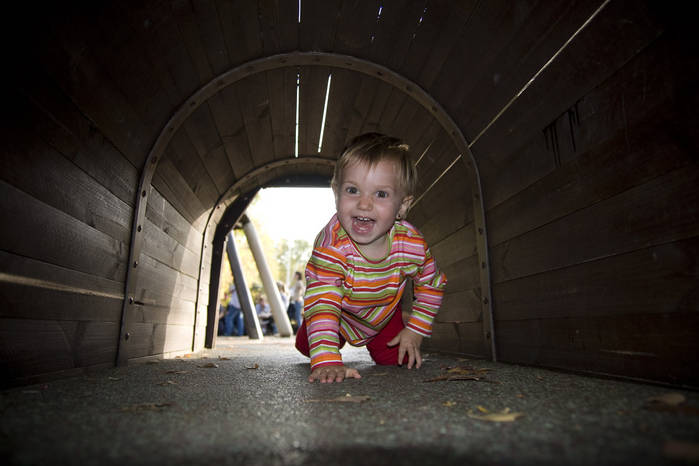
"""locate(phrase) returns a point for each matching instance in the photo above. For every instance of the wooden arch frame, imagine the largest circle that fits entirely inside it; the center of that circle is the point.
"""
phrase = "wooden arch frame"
(295, 59)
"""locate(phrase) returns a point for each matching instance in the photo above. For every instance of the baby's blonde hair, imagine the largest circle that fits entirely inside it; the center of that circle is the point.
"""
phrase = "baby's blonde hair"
(372, 148)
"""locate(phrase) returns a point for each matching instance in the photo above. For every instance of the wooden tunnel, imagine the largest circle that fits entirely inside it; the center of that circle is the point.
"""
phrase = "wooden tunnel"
(556, 143)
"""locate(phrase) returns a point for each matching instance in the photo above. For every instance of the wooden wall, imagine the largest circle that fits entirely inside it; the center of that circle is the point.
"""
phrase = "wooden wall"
(588, 176)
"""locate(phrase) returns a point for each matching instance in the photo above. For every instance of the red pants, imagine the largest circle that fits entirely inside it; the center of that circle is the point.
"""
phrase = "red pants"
(380, 352)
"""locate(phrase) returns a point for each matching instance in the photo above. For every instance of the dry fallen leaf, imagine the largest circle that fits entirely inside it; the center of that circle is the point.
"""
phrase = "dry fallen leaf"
(210, 365)
(221, 358)
(256, 366)
(503, 416)
(672, 399)
(146, 407)
(449, 404)
(461, 373)
(342, 399)
(175, 372)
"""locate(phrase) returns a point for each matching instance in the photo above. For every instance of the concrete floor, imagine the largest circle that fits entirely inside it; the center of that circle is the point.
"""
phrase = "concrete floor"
(180, 411)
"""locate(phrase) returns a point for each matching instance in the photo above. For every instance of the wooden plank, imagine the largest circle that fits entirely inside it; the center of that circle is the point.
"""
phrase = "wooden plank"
(440, 155)
(618, 116)
(64, 345)
(64, 294)
(390, 112)
(629, 159)
(368, 88)
(657, 212)
(442, 23)
(229, 122)
(449, 82)
(66, 241)
(148, 339)
(160, 285)
(173, 187)
(253, 97)
(210, 31)
(659, 279)
(88, 84)
(119, 51)
(659, 347)
(282, 93)
(242, 36)
(462, 306)
(204, 136)
(179, 313)
(184, 158)
(184, 16)
(165, 217)
(532, 41)
(394, 30)
(279, 26)
(372, 118)
(44, 174)
(446, 208)
(618, 34)
(404, 119)
(57, 121)
(164, 248)
(463, 275)
(459, 245)
(163, 44)
(356, 25)
(318, 23)
(453, 338)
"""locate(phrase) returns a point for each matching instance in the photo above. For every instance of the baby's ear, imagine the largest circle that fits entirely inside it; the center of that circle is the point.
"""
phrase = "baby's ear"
(405, 207)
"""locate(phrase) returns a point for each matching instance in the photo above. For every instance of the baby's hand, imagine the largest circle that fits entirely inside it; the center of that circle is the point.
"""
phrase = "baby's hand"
(409, 342)
(336, 373)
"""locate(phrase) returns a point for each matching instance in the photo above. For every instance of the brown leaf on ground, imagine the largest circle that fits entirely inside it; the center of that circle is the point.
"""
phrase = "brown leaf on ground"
(255, 366)
(503, 416)
(175, 372)
(686, 451)
(222, 358)
(146, 407)
(209, 365)
(342, 399)
(461, 373)
(672, 399)
(671, 403)
(449, 404)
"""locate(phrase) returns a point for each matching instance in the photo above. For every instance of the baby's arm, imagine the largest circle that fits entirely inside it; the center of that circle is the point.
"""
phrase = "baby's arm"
(333, 373)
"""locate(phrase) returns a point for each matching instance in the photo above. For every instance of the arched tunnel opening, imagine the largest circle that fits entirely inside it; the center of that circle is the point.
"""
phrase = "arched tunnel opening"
(555, 144)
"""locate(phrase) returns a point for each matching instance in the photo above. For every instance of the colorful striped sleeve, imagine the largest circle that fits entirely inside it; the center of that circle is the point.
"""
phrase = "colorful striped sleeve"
(325, 274)
(429, 285)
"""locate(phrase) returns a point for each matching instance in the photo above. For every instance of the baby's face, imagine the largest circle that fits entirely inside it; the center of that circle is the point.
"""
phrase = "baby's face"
(368, 201)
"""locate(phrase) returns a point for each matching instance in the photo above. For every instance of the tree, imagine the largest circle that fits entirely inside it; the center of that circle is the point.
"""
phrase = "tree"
(291, 257)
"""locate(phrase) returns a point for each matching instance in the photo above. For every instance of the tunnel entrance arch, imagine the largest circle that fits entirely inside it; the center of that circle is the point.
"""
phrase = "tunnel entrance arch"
(256, 177)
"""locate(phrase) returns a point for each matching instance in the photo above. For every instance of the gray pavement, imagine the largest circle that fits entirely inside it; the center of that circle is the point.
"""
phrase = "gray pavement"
(249, 403)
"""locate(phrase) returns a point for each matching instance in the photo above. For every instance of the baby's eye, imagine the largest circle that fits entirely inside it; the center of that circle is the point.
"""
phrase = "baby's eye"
(382, 194)
(351, 190)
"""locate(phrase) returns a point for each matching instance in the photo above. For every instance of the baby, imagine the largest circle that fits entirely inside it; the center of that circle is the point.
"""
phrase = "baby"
(360, 264)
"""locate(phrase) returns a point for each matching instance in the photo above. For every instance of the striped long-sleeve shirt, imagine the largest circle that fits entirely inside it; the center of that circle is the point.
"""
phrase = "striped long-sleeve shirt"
(350, 295)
